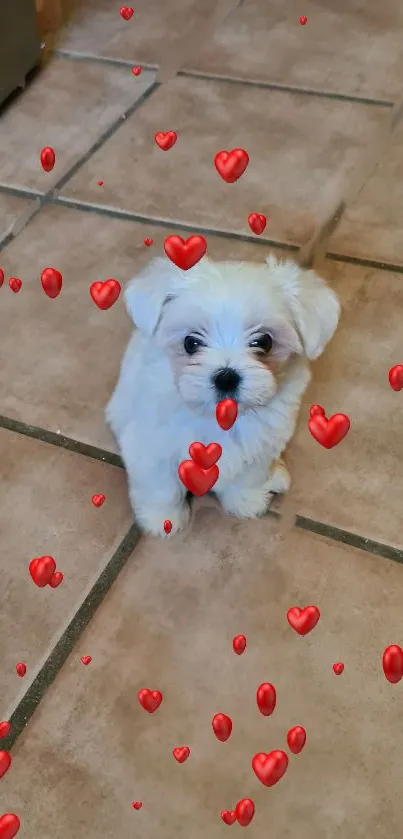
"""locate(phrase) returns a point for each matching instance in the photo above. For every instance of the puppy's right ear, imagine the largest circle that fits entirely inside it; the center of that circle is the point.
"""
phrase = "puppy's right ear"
(149, 290)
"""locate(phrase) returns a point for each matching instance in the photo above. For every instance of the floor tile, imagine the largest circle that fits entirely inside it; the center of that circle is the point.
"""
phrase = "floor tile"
(12, 208)
(296, 145)
(168, 624)
(345, 47)
(77, 102)
(46, 510)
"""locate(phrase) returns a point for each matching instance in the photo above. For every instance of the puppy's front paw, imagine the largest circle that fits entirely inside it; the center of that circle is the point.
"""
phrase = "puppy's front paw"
(280, 478)
(152, 520)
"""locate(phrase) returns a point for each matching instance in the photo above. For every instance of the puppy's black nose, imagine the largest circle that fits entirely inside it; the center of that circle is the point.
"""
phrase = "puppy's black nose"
(226, 380)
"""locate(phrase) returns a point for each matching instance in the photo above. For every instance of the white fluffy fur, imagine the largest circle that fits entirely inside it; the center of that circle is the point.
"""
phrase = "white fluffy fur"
(164, 399)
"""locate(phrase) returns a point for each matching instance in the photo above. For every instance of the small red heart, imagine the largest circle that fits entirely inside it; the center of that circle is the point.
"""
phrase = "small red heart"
(86, 659)
(100, 183)
(48, 159)
(9, 826)
(239, 644)
(231, 164)
(126, 12)
(148, 242)
(105, 294)
(15, 284)
(257, 223)
(5, 763)
(392, 663)
(226, 413)
(271, 767)
(303, 620)
(98, 499)
(244, 811)
(329, 432)
(228, 816)
(1, 277)
(56, 579)
(303, 20)
(137, 805)
(222, 727)
(296, 739)
(5, 728)
(197, 480)
(316, 410)
(167, 526)
(137, 70)
(165, 140)
(338, 668)
(205, 456)
(52, 281)
(21, 669)
(266, 698)
(185, 254)
(181, 753)
(396, 377)
(150, 700)
(41, 570)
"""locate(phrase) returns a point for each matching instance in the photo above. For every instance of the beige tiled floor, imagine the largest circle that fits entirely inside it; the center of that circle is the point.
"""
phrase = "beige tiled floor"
(167, 621)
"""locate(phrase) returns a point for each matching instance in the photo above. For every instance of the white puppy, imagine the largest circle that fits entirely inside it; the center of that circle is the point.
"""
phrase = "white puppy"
(228, 329)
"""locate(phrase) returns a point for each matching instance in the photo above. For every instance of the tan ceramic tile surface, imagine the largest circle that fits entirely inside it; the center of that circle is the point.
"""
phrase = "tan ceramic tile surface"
(168, 624)
(12, 208)
(295, 144)
(68, 106)
(46, 509)
(345, 47)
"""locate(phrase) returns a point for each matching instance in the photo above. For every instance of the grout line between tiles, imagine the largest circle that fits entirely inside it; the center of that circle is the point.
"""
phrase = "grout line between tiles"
(60, 652)
(328, 531)
(216, 77)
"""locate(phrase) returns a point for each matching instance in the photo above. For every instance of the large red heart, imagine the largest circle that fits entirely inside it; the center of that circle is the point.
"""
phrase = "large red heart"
(9, 826)
(244, 811)
(329, 432)
(205, 456)
(197, 480)
(185, 254)
(1, 277)
(266, 698)
(150, 700)
(231, 164)
(41, 570)
(222, 727)
(181, 753)
(52, 281)
(228, 816)
(5, 728)
(296, 739)
(396, 377)
(5, 763)
(126, 12)
(271, 767)
(105, 294)
(303, 620)
(226, 413)
(392, 663)
(48, 159)
(165, 140)
(257, 223)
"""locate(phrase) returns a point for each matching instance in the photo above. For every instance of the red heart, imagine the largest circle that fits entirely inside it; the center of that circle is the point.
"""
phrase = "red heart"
(266, 698)
(396, 377)
(21, 669)
(41, 570)
(98, 500)
(257, 223)
(56, 579)
(1, 277)
(303, 620)
(126, 12)
(329, 432)
(15, 284)
(167, 526)
(296, 739)
(222, 727)
(271, 767)
(239, 644)
(136, 71)
(392, 663)
(5, 729)
(181, 753)
(150, 700)
(226, 413)
(197, 480)
(52, 281)
(205, 456)
(5, 763)
(228, 816)
(48, 159)
(86, 659)
(303, 20)
(185, 254)
(167, 140)
(148, 242)
(231, 164)
(316, 410)
(338, 668)
(244, 811)
(9, 826)
(105, 294)
(137, 805)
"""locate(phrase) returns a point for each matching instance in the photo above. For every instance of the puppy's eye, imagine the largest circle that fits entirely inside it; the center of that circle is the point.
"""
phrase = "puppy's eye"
(191, 344)
(263, 343)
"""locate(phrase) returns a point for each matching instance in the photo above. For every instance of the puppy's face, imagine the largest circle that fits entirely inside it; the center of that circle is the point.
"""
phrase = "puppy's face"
(229, 329)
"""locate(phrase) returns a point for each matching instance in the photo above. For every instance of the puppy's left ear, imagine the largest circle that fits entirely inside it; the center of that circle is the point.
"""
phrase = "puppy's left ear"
(315, 309)
(149, 290)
